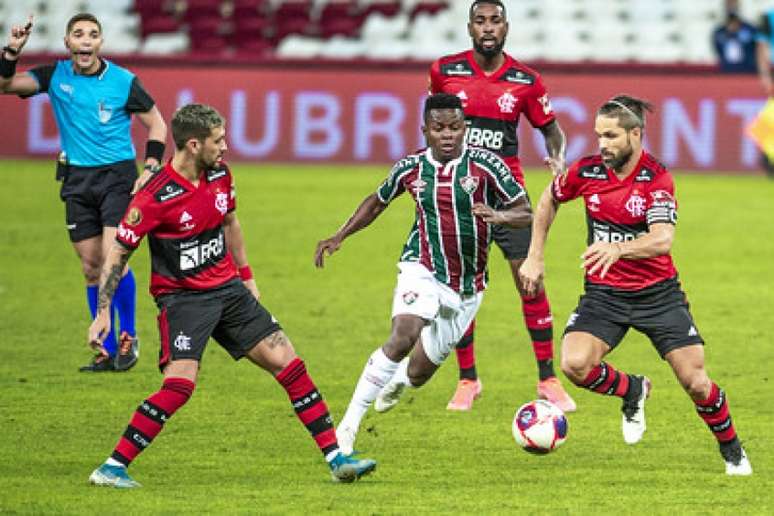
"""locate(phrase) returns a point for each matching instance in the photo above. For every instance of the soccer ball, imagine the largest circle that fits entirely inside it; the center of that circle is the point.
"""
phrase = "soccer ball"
(539, 426)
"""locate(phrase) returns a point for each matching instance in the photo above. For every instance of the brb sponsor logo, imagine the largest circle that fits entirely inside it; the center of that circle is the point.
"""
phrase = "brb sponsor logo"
(486, 138)
(193, 254)
(609, 234)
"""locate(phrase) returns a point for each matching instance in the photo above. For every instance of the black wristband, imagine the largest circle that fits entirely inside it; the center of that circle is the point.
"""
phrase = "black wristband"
(154, 149)
(11, 50)
(7, 67)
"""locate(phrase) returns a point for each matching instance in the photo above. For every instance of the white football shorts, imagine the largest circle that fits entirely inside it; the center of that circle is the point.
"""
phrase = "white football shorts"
(419, 293)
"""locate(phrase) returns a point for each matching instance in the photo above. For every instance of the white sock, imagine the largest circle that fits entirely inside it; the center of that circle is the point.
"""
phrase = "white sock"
(378, 371)
(113, 462)
(401, 374)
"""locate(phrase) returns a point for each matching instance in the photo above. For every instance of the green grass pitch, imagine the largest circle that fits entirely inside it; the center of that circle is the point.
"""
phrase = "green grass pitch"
(237, 447)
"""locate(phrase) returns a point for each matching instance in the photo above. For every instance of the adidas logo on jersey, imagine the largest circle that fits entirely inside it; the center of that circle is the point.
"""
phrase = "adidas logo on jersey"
(185, 217)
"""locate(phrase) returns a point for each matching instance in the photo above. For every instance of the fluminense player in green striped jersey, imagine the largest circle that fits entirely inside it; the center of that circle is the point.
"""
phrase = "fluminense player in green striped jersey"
(460, 193)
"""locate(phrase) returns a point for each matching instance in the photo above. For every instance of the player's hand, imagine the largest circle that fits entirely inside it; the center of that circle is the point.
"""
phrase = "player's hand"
(556, 165)
(328, 246)
(253, 288)
(531, 275)
(20, 34)
(600, 256)
(487, 213)
(98, 331)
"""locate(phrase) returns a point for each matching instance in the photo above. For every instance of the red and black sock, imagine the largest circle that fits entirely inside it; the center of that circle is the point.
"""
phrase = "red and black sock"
(714, 411)
(309, 405)
(150, 417)
(537, 315)
(605, 379)
(466, 357)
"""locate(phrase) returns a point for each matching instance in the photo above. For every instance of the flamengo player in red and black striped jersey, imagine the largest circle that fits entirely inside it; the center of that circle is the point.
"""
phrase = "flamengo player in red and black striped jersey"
(204, 288)
(460, 195)
(496, 90)
(630, 278)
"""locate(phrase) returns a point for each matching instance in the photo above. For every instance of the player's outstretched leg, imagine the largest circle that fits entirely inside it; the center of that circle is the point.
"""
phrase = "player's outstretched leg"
(469, 386)
(377, 373)
(605, 379)
(312, 410)
(145, 425)
(715, 413)
(539, 322)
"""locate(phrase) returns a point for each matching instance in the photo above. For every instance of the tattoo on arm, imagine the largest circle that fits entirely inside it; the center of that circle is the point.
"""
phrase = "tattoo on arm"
(110, 280)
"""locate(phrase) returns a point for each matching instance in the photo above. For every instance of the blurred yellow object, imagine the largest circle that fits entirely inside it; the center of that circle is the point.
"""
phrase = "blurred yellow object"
(761, 130)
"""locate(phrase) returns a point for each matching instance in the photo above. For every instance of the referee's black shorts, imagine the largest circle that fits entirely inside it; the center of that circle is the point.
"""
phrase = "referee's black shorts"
(96, 197)
(660, 311)
(230, 314)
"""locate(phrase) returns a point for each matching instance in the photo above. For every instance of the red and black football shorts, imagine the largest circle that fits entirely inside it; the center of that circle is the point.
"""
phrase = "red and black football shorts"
(660, 311)
(96, 197)
(229, 314)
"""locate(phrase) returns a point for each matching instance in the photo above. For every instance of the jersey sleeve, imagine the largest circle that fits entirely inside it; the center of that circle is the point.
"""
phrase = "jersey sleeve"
(436, 80)
(393, 185)
(567, 187)
(141, 218)
(507, 189)
(538, 108)
(42, 75)
(661, 205)
(139, 100)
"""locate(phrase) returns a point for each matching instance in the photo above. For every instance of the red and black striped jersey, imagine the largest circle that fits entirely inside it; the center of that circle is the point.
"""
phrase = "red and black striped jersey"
(493, 103)
(184, 224)
(619, 210)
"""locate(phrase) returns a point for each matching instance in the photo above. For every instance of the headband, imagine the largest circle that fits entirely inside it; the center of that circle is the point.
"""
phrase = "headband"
(625, 107)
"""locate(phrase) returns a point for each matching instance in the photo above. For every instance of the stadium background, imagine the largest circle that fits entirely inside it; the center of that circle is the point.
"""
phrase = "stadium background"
(314, 121)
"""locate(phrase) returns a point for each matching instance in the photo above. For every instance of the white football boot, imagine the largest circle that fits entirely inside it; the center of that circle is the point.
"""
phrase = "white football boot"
(633, 420)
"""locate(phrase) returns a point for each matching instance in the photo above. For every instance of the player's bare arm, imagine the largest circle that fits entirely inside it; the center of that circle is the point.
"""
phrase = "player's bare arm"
(600, 256)
(112, 272)
(763, 60)
(235, 243)
(532, 270)
(11, 82)
(556, 146)
(515, 215)
(157, 131)
(365, 214)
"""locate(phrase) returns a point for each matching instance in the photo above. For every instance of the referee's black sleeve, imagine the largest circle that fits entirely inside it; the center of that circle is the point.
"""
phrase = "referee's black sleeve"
(139, 100)
(43, 75)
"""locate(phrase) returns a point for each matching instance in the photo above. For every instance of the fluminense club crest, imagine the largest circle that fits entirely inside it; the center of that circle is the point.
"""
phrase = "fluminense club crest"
(469, 184)
(409, 297)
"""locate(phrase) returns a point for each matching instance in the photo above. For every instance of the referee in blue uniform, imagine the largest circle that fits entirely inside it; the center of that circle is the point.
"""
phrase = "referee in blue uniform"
(93, 100)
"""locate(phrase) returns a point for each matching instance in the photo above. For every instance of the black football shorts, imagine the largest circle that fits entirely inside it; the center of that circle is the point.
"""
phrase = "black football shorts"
(514, 243)
(661, 312)
(96, 197)
(229, 314)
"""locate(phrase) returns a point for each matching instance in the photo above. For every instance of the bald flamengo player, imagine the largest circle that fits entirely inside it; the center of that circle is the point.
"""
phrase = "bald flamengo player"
(631, 281)
(496, 90)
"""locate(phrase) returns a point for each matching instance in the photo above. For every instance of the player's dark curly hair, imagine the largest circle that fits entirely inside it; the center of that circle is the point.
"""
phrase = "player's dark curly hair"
(630, 111)
(194, 121)
(442, 101)
(496, 3)
(83, 17)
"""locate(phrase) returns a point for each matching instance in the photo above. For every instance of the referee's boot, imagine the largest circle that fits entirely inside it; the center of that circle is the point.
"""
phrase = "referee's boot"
(128, 352)
(99, 364)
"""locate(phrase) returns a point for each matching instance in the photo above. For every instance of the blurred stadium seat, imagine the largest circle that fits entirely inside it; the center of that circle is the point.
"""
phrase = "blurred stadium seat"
(648, 31)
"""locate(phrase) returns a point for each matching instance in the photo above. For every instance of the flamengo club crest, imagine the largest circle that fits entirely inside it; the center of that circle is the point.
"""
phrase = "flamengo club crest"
(636, 205)
(506, 102)
(469, 184)
(221, 202)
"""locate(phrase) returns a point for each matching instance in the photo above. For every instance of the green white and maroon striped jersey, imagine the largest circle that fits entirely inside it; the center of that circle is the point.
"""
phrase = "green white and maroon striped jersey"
(447, 238)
